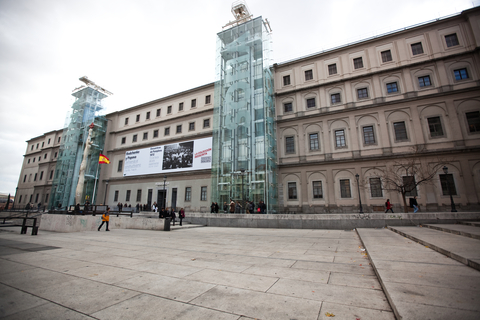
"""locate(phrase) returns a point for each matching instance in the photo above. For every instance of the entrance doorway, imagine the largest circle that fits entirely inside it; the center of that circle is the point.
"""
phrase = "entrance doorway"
(161, 198)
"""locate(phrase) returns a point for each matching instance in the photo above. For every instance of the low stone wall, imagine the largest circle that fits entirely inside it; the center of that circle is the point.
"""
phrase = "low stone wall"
(327, 221)
(77, 223)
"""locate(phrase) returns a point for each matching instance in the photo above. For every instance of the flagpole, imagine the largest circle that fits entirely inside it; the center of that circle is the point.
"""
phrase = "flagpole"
(95, 183)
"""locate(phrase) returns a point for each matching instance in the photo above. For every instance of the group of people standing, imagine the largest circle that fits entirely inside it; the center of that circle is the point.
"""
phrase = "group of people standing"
(170, 213)
(236, 207)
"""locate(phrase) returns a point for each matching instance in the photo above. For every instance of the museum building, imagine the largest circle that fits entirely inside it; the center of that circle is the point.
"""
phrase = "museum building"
(317, 134)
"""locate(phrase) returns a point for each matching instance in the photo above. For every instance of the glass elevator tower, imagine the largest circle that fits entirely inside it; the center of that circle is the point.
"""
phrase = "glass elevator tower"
(244, 143)
(86, 109)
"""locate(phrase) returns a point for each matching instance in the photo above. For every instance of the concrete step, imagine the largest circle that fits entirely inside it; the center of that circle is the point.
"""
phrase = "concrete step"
(419, 282)
(460, 248)
(471, 223)
(459, 229)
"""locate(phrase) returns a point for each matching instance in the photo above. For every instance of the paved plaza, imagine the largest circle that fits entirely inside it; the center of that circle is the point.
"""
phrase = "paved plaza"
(239, 273)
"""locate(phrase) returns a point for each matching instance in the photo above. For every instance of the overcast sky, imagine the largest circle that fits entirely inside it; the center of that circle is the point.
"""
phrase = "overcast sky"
(142, 50)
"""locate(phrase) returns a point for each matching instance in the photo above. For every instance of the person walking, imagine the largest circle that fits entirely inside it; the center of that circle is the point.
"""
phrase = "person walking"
(105, 219)
(216, 207)
(262, 206)
(212, 207)
(232, 206)
(225, 207)
(388, 206)
(181, 215)
(414, 204)
(172, 215)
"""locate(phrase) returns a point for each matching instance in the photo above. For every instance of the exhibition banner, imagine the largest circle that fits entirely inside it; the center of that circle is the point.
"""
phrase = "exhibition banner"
(175, 157)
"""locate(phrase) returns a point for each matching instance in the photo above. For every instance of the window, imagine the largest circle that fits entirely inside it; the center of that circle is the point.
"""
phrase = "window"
(158, 112)
(39, 158)
(308, 75)
(424, 81)
(120, 166)
(59, 138)
(292, 191)
(358, 63)
(139, 195)
(287, 107)
(446, 180)
(148, 115)
(207, 99)
(392, 87)
(180, 106)
(376, 188)
(451, 40)
(36, 198)
(435, 127)
(20, 201)
(167, 131)
(43, 143)
(55, 154)
(115, 197)
(127, 196)
(368, 135)
(311, 103)
(340, 139)
(126, 121)
(32, 145)
(134, 138)
(194, 103)
(332, 69)
(417, 48)
(410, 186)
(345, 191)
(41, 176)
(35, 177)
(473, 120)
(206, 123)
(362, 93)
(33, 160)
(286, 80)
(317, 190)
(386, 56)
(313, 138)
(179, 128)
(28, 160)
(461, 74)
(24, 178)
(45, 156)
(137, 118)
(31, 197)
(335, 98)
(169, 109)
(124, 140)
(188, 194)
(48, 141)
(46, 198)
(400, 131)
(203, 194)
(191, 126)
(145, 135)
(155, 133)
(289, 145)
(51, 175)
(37, 145)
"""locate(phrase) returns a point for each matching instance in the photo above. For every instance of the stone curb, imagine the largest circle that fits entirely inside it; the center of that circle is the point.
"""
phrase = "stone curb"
(459, 233)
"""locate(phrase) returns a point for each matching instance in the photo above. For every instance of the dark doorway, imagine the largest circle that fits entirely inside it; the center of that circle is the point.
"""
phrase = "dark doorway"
(161, 197)
(174, 199)
(149, 199)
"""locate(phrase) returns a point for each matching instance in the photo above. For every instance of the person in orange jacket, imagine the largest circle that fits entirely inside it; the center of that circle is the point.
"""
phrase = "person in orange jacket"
(105, 218)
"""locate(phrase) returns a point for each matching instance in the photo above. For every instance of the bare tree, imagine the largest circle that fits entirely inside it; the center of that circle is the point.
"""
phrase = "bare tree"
(407, 173)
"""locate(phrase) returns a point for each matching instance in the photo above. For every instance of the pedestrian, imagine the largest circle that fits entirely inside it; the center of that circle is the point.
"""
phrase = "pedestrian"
(262, 207)
(238, 207)
(251, 207)
(154, 207)
(414, 204)
(181, 215)
(212, 207)
(105, 219)
(232, 206)
(225, 207)
(161, 213)
(388, 206)
(138, 207)
(120, 205)
(172, 215)
(216, 207)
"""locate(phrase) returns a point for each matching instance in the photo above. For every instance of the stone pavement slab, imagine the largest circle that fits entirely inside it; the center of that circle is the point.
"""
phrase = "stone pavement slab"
(191, 273)
(463, 249)
(418, 281)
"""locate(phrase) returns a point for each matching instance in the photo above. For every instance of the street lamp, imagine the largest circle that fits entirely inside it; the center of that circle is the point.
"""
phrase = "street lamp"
(359, 197)
(445, 170)
(164, 193)
(105, 196)
(243, 201)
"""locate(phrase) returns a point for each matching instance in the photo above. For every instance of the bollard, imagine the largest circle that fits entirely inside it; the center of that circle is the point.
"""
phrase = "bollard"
(166, 226)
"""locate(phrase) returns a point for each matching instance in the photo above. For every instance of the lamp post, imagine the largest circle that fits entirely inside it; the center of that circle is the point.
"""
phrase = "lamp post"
(243, 196)
(445, 170)
(105, 195)
(359, 197)
(164, 193)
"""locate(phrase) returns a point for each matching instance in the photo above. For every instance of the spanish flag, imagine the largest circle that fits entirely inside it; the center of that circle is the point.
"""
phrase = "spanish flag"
(103, 159)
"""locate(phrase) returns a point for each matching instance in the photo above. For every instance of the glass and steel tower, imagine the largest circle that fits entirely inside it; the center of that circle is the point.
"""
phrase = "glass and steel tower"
(244, 144)
(86, 109)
